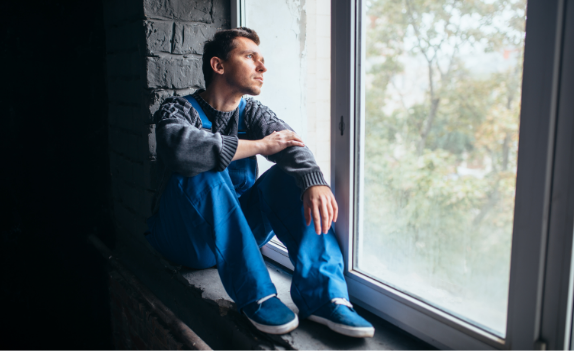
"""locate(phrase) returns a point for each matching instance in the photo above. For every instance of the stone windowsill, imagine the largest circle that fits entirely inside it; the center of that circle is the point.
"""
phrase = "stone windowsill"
(198, 298)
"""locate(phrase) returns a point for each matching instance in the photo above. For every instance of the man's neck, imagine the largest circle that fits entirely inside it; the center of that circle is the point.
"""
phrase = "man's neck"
(221, 98)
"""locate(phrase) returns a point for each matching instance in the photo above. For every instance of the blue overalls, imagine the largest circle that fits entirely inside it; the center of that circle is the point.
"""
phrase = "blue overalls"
(223, 218)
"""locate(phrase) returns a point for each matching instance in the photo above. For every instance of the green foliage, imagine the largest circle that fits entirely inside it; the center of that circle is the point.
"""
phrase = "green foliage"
(440, 168)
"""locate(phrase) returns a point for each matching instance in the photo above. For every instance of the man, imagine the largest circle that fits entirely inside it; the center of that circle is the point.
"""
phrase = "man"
(213, 211)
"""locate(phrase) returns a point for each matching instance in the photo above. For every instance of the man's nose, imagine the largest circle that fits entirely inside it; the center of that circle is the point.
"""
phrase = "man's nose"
(261, 68)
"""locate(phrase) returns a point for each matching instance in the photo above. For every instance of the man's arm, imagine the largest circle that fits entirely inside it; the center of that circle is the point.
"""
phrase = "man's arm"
(318, 201)
(271, 144)
(183, 146)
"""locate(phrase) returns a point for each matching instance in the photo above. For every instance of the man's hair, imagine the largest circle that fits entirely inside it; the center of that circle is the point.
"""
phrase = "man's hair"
(221, 45)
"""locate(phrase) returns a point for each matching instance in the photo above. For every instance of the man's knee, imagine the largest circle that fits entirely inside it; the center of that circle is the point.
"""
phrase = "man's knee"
(280, 178)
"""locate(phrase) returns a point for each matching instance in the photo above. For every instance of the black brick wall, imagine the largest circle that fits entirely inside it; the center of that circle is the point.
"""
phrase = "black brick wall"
(80, 81)
(153, 51)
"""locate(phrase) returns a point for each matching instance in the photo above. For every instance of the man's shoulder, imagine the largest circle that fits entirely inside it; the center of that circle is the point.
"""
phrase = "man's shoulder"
(175, 106)
(255, 109)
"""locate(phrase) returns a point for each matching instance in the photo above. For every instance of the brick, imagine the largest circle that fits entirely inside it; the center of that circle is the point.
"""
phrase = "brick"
(113, 10)
(157, 344)
(158, 36)
(118, 12)
(154, 100)
(116, 189)
(119, 65)
(124, 38)
(129, 196)
(221, 14)
(140, 224)
(151, 176)
(174, 72)
(146, 199)
(125, 90)
(184, 92)
(189, 37)
(151, 143)
(123, 217)
(137, 341)
(126, 170)
(115, 143)
(137, 64)
(132, 147)
(190, 11)
(121, 116)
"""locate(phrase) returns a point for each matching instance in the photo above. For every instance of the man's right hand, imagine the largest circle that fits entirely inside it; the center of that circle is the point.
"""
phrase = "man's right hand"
(271, 144)
(278, 141)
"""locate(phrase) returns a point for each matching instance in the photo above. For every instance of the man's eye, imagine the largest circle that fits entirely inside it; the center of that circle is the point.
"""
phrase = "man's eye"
(249, 56)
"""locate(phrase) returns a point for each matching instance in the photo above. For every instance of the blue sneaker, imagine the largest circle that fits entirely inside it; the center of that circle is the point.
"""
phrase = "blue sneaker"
(271, 316)
(340, 316)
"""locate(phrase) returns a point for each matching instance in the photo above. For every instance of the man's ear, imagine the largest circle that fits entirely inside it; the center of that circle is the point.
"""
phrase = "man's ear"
(216, 65)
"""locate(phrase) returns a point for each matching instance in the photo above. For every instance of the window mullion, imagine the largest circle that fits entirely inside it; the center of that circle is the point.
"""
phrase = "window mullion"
(533, 183)
(558, 280)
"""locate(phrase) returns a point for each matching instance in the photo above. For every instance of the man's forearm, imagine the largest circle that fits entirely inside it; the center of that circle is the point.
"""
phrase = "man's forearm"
(247, 148)
(271, 144)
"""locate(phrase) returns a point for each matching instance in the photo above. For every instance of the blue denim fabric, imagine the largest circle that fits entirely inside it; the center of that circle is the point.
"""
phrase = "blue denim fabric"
(224, 218)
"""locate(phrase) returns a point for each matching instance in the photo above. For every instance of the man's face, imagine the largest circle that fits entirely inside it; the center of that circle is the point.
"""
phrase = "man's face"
(245, 67)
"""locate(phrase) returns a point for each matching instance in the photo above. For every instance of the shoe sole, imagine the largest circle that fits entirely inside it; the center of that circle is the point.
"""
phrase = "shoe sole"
(355, 332)
(276, 329)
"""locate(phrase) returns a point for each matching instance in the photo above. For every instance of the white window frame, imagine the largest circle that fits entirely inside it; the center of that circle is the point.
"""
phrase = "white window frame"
(541, 283)
(540, 292)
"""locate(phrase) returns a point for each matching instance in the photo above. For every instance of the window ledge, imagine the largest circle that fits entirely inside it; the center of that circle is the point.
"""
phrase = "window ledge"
(198, 298)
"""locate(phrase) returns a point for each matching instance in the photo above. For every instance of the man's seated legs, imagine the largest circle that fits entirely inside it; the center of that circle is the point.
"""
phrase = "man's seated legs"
(273, 207)
(200, 224)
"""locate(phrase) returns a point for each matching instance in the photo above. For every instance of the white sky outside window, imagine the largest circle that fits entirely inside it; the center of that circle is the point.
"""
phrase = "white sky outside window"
(295, 41)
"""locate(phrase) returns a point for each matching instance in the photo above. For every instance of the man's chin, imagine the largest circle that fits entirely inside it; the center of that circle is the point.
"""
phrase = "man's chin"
(253, 91)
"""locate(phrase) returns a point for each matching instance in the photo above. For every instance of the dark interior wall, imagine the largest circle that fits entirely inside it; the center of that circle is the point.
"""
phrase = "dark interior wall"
(153, 51)
(55, 175)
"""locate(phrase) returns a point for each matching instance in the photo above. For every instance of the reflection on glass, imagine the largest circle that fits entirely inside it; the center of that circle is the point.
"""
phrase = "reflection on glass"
(439, 135)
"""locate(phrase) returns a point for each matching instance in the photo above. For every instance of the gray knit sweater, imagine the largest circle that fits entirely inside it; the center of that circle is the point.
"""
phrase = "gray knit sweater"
(184, 147)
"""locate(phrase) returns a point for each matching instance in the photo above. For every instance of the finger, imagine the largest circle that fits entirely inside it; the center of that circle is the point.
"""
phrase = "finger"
(335, 208)
(296, 143)
(294, 136)
(317, 219)
(331, 212)
(325, 216)
(307, 212)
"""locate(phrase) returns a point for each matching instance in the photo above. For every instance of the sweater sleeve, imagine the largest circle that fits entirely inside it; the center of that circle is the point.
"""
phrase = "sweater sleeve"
(183, 146)
(298, 161)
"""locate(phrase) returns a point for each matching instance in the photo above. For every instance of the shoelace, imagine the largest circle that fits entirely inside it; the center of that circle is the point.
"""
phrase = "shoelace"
(341, 301)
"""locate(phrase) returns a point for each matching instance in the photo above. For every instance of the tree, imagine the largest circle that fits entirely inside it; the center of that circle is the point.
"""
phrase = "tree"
(441, 155)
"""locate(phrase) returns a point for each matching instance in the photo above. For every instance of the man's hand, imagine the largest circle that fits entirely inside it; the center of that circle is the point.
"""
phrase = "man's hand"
(320, 204)
(271, 144)
(278, 141)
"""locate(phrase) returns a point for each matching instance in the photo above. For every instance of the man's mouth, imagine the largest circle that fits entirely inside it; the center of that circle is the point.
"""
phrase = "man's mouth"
(259, 79)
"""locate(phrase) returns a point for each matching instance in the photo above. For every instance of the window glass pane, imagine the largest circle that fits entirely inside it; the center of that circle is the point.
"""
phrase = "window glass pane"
(295, 41)
(437, 150)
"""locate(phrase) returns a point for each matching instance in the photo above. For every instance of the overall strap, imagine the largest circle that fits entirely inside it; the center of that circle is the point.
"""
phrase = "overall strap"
(204, 120)
(241, 130)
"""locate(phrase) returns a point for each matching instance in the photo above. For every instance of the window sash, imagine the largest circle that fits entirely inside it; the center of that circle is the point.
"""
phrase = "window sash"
(540, 292)
(536, 172)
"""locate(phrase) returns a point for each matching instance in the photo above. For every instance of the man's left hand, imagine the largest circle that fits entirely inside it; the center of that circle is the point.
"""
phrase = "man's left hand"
(320, 204)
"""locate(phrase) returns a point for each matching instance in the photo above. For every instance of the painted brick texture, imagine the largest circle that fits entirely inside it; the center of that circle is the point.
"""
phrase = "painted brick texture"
(153, 51)
(134, 323)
